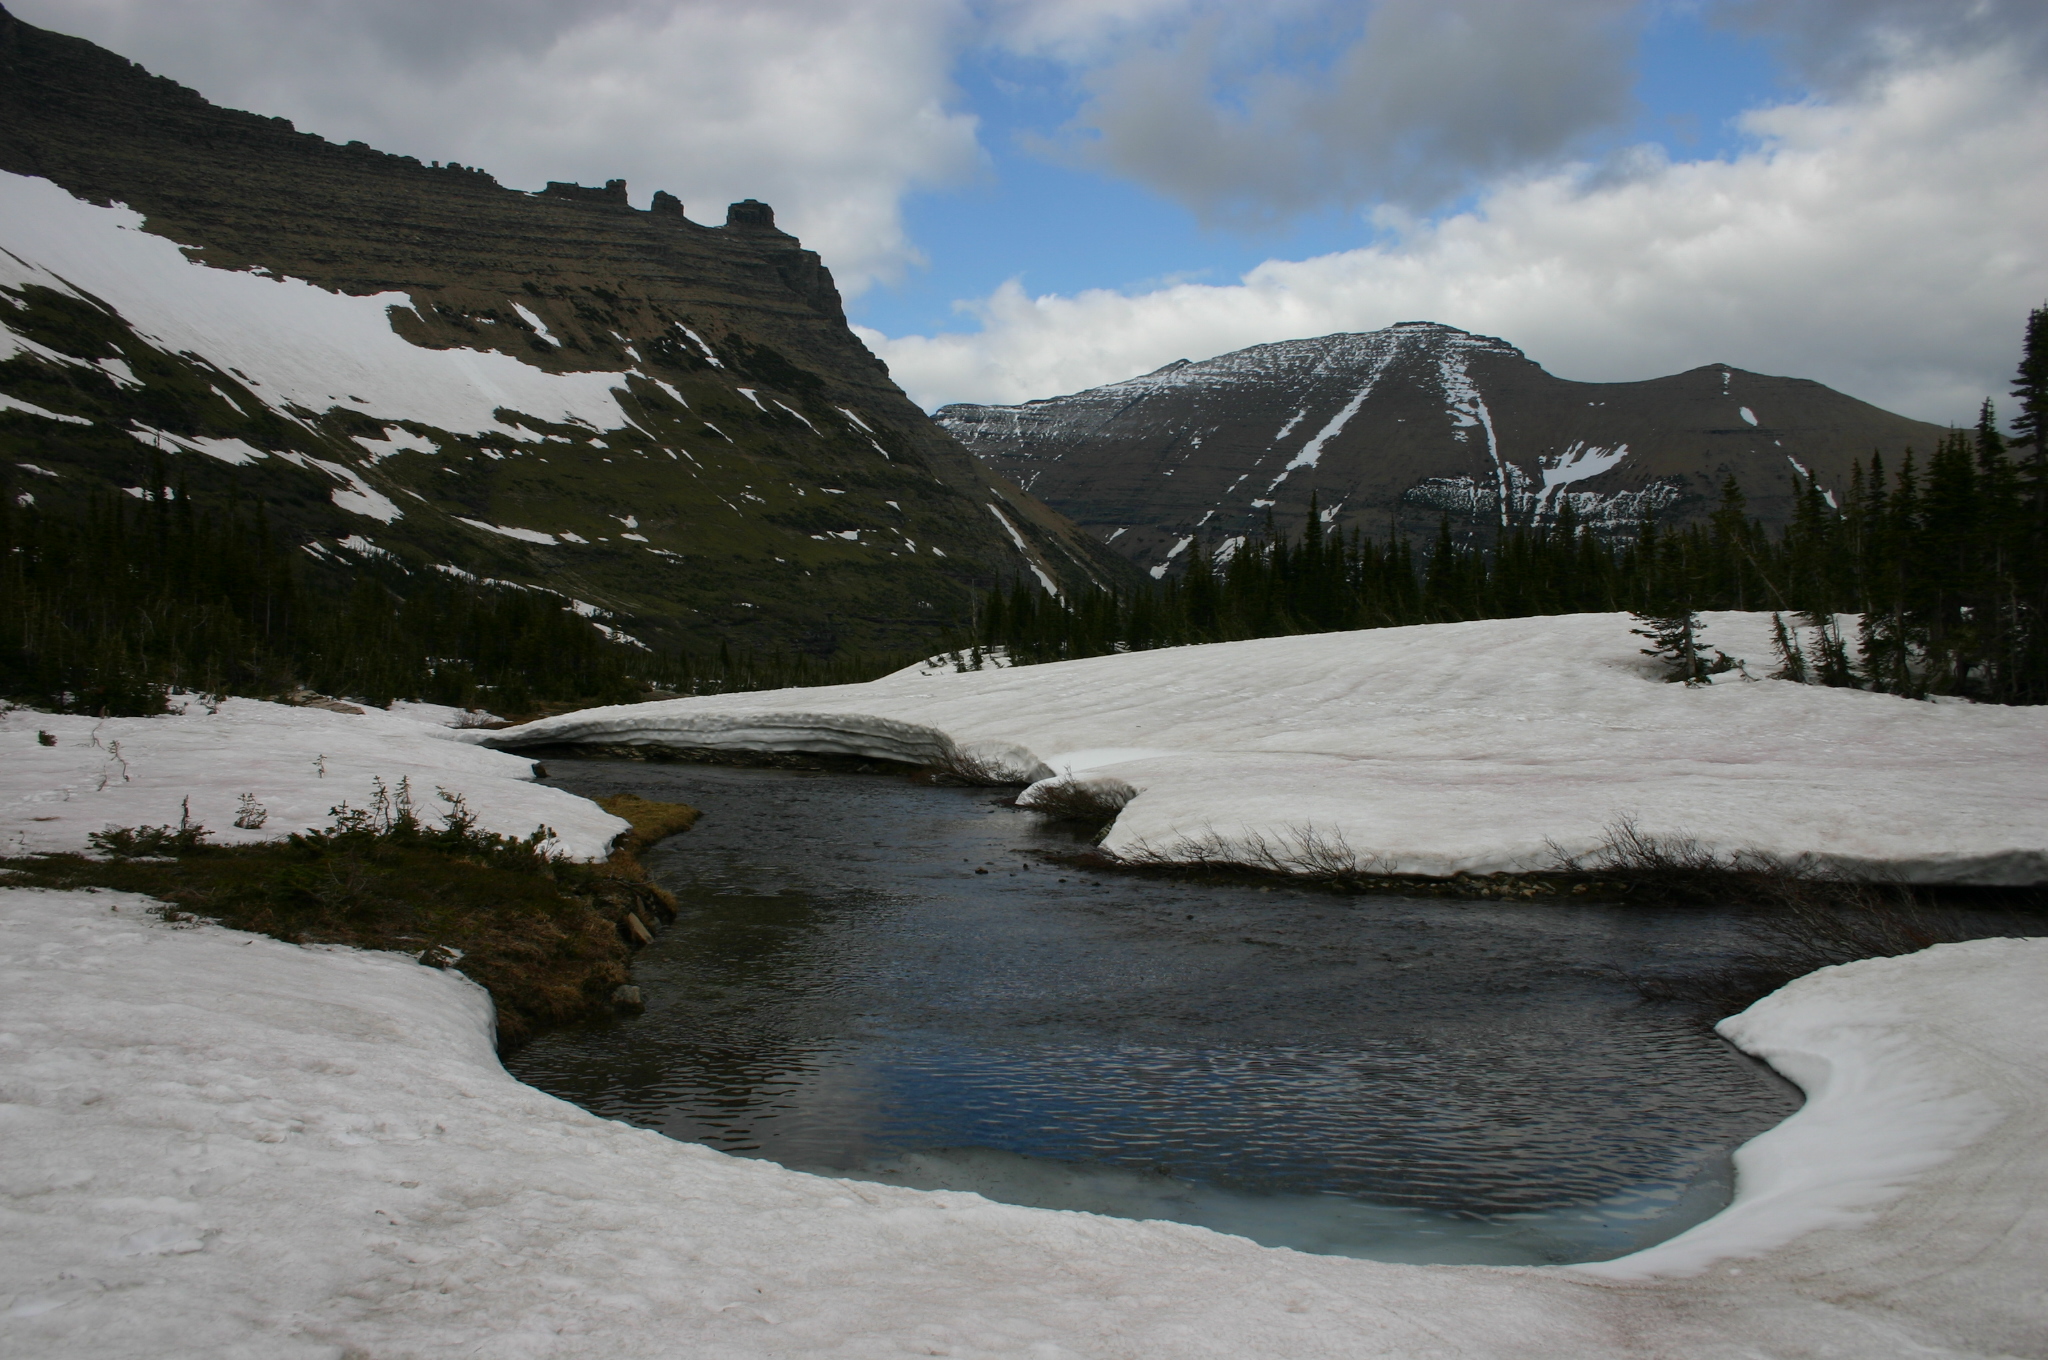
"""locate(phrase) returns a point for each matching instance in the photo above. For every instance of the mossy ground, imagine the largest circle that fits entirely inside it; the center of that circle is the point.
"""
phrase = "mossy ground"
(549, 940)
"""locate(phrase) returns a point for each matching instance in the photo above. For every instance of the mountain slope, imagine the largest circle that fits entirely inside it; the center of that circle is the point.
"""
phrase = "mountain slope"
(410, 366)
(1394, 429)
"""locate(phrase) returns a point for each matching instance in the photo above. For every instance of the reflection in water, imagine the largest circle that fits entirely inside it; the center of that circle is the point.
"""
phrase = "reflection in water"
(1395, 1078)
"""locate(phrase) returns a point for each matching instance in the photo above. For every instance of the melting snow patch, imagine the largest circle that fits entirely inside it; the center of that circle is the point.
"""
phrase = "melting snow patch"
(1176, 550)
(1312, 452)
(798, 414)
(1748, 415)
(363, 547)
(854, 418)
(354, 494)
(1800, 467)
(748, 393)
(1581, 462)
(26, 408)
(1468, 409)
(523, 535)
(710, 355)
(540, 327)
(396, 441)
(301, 344)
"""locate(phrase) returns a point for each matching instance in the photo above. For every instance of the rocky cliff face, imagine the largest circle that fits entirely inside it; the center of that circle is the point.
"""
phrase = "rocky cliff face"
(668, 424)
(1394, 429)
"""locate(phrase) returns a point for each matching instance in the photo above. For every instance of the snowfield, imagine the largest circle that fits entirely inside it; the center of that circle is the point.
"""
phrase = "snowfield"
(221, 1145)
(1469, 746)
(298, 763)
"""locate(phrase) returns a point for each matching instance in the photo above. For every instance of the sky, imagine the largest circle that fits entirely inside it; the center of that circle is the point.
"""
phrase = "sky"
(1021, 198)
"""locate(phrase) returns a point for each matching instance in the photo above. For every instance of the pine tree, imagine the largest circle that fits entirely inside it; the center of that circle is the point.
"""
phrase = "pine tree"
(2030, 389)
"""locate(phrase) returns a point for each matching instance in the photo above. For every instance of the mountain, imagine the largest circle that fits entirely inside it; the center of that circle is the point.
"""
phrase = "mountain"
(1395, 429)
(421, 374)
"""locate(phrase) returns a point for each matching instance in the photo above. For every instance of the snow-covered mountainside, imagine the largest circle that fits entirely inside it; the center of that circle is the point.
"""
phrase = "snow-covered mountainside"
(220, 1144)
(417, 371)
(1394, 429)
(1485, 746)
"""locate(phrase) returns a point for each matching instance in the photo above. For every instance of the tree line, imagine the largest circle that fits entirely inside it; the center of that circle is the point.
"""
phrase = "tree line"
(1945, 563)
(109, 605)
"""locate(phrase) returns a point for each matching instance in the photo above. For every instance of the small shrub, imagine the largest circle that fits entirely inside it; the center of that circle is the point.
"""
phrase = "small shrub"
(1306, 852)
(1093, 803)
(250, 815)
(126, 842)
(960, 767)
(1802, 916)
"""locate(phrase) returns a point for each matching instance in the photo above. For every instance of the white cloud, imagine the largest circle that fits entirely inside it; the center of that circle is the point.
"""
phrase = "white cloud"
(832, 110)
(1415, 99)
(1888, 245)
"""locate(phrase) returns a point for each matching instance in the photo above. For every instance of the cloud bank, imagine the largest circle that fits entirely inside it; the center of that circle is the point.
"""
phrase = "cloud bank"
(1887, 244)
(1425, 97)
(832, 110)
(1880, 234)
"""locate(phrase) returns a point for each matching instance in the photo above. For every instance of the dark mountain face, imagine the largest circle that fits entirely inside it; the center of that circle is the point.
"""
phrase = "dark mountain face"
(1395, 429)
(665, 421)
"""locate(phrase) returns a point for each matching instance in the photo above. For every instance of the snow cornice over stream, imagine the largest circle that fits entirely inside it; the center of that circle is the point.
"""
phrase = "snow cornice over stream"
(1478, 746)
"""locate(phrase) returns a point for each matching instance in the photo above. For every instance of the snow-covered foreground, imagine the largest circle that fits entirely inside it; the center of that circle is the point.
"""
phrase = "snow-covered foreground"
(1476, 746)
(221, 1145)
(297, 763)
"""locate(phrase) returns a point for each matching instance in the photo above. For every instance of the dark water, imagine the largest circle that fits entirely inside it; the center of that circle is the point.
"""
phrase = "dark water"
(1394, 1078)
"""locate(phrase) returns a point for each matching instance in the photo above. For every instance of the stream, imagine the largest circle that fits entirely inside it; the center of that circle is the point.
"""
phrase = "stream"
(1396, 1078)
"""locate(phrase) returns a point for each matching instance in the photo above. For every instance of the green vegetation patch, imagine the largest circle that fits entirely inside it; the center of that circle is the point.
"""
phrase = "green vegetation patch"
(548, 938)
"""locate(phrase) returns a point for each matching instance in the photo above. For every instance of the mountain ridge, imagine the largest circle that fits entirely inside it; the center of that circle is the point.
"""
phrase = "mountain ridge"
(1393, 430)
(699, 381)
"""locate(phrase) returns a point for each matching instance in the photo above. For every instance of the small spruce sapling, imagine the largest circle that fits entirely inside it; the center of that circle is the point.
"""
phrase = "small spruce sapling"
(1675, 641)
(250, 815)
(1791, 657)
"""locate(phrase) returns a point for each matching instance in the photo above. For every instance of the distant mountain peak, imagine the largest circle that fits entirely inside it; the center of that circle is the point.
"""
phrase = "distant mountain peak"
(1395, 430)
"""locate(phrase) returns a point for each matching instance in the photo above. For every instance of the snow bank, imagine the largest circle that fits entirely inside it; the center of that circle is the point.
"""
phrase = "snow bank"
(297, 344)
(299, 763)
(1474, 746)
(222, 1145)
